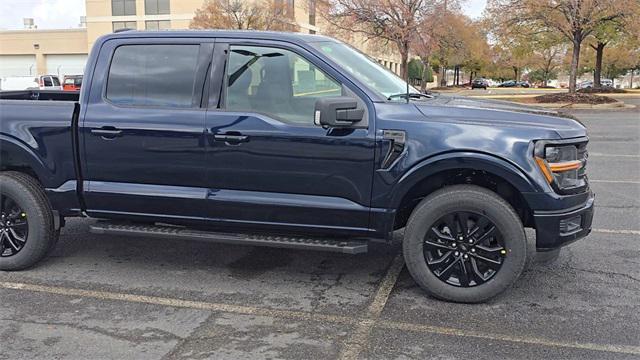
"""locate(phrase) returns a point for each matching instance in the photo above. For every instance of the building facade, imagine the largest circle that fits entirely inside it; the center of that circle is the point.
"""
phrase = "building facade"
(64, 52)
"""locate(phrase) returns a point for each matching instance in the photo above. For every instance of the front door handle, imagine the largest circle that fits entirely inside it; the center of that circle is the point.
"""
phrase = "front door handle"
(107, 132)
(231, 139)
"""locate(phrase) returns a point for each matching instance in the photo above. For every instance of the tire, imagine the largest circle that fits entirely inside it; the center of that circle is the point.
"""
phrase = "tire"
(41, 236)
(547, 257)
(478, 202)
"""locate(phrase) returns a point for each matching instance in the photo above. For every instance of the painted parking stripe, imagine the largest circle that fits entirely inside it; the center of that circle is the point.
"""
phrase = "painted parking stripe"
(613, 155)
(307, 316)
(614, 181)
(358, 340)
(179, 303)
(614, 231)
(612, 348)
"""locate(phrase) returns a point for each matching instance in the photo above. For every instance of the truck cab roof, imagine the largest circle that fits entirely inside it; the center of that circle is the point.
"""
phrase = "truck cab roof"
(254, 34)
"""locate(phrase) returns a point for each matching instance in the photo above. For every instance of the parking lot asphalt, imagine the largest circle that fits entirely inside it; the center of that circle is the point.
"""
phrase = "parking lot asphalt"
(105, 297)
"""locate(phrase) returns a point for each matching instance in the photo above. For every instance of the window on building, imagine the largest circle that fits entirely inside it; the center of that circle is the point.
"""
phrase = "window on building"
(153, 75)
(157, 24)
(276, 82)
(312, 13)
(117, 25)
(156, 7)
(123, 7)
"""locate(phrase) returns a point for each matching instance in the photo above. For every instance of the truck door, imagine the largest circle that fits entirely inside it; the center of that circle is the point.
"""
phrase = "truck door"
(143, 131)
(269, 164)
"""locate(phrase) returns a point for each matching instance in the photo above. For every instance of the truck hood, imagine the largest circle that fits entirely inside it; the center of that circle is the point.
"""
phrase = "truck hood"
(501, 113)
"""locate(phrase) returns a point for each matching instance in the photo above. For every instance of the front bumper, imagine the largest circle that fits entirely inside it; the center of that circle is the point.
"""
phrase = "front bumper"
(559, 228)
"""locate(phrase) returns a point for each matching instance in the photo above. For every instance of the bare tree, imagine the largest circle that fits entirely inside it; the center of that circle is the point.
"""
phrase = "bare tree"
(396, 21)
(244, 15)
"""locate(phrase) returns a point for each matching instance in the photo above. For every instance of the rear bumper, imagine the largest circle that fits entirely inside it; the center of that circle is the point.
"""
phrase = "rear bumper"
(555, 229)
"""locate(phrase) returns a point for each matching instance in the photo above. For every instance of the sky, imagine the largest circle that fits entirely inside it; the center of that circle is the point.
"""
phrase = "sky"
(63, 14)
(473, 8)
(47, 14)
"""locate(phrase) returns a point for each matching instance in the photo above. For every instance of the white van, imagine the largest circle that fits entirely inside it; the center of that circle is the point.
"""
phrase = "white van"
(43, 82)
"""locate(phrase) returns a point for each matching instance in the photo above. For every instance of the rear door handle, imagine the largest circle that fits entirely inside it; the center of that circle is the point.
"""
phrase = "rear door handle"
(108, 132)
(231, 139)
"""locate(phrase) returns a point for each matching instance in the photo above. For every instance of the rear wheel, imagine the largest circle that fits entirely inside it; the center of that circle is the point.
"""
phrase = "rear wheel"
(465, 244)
(26, 222)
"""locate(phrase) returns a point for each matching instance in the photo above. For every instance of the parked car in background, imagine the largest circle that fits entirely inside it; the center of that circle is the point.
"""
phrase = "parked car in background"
(49, 82)
(19, 83)
(43, 82)
(589, 84)
(479, 84)
(585, 85)
(524, 84)
(509, 83)
(72, 83)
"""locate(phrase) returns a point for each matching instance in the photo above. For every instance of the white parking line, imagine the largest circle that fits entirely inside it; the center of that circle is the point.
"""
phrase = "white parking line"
(190, 304)
(615, 181)
(622, 349)
(376, 307)
(613, 231)
(358, 340)
(613, 155)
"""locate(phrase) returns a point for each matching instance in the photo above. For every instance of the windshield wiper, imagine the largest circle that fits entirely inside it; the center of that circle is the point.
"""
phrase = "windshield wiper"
(411, 95)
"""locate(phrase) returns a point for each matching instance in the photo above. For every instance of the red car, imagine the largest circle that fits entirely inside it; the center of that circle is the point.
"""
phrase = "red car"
(72, 83)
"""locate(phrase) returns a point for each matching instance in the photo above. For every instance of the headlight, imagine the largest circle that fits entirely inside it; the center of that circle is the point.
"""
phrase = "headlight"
(560, 165)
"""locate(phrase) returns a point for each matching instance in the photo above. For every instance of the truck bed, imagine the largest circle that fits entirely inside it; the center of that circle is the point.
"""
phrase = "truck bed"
(51, 95)
(43, 129)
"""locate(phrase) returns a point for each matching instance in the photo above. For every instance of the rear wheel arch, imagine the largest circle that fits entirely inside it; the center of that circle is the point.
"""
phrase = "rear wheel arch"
(17, 157)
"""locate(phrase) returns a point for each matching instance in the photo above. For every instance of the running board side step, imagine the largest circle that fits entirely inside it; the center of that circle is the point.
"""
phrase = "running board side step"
(278, 241)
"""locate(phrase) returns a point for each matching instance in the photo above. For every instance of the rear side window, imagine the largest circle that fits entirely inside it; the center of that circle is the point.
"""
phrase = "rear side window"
(47, 81)
(56, 81)
(153, 75)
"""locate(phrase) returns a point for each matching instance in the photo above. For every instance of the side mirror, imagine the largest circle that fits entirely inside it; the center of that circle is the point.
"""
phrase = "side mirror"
(337, 112)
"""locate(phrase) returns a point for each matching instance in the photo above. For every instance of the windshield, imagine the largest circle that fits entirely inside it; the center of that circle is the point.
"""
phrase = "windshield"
(365, 69)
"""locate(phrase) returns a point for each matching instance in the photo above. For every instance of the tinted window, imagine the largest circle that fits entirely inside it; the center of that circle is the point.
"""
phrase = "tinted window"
(155, 7)
(276, 82)
(47, 81)
(153, 75)
(56, 81)
(158, 24)
(123, 7)
(117, 25)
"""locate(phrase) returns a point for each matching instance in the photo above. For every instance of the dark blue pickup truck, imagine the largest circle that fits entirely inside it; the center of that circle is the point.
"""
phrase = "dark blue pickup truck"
(289, 140)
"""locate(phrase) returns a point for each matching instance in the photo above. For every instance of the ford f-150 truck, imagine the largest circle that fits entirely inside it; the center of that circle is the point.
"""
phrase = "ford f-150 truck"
(289, 140)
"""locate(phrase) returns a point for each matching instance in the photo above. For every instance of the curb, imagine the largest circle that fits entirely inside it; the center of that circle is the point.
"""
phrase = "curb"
(615, 105)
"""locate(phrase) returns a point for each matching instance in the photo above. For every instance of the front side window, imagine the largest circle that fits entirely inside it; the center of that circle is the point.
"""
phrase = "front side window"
(153, 75)
(123, 7)
(47, 81)
(276, 82)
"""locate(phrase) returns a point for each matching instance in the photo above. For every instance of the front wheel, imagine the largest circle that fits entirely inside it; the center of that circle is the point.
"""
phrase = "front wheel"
(464, 243)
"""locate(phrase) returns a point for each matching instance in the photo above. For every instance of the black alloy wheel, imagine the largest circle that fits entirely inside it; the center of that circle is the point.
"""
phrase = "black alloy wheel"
(14, 228)
(464, 249)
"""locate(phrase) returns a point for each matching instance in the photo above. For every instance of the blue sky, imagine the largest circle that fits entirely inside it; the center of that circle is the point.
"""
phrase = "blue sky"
(62, 14)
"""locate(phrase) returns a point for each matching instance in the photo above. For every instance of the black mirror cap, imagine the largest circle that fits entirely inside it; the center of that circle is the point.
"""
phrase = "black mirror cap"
(337, 112)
